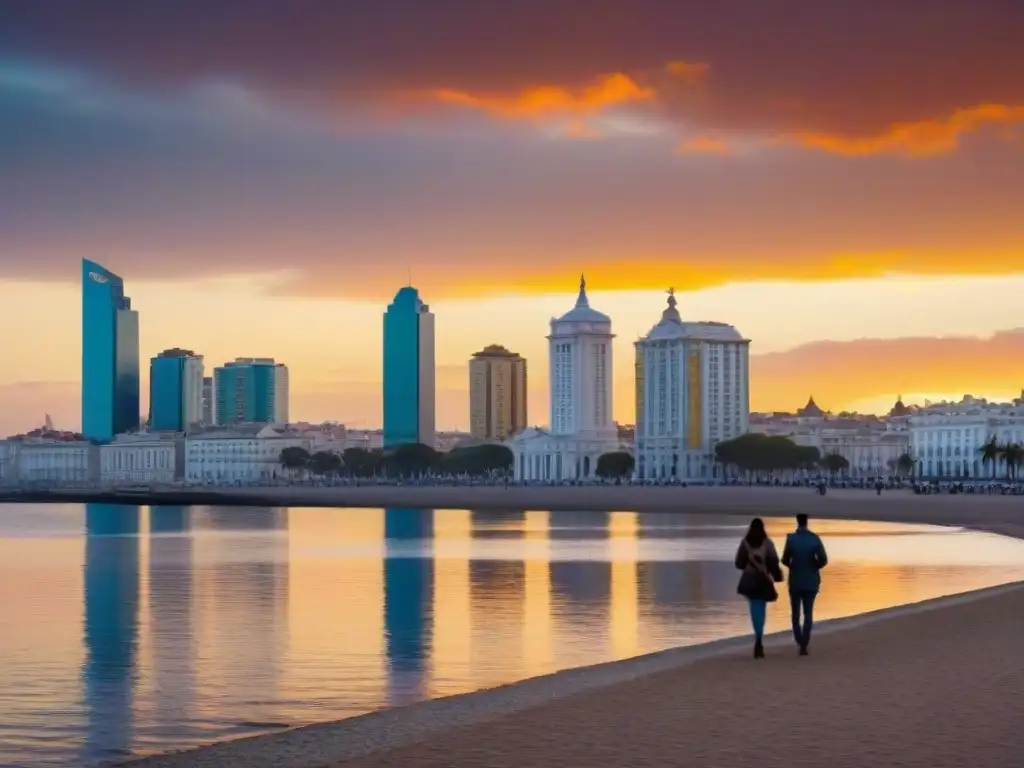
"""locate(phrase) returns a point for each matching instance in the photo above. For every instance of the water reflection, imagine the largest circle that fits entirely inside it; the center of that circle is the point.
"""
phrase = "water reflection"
(111, 626)
(214, 622)
(172, 615)
(408, 598)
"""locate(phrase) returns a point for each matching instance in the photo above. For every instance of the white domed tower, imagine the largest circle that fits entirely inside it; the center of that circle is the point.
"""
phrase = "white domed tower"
(580, 351)
(582, 429)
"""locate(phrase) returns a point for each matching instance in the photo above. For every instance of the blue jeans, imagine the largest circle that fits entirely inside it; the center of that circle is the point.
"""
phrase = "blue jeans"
(802, 600)
(758, 609)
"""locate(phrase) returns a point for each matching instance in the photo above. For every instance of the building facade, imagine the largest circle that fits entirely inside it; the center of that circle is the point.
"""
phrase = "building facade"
(947, 439)
(175, 390)
(581, 425)
(409, 371)
(692, 392)
(209, 399)
(251, 390)
(497, 394)
(58, 463)
(142, 458)
(240, 455)
(110, 355)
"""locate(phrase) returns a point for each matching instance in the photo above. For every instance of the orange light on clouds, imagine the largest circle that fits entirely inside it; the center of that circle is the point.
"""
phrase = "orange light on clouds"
(921, 138)
(546, 101)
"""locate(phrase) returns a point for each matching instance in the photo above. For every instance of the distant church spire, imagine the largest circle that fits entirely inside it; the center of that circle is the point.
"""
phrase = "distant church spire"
(581, 300)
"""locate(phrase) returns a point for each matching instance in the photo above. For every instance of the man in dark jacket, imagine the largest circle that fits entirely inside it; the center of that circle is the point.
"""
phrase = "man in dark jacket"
(804, 555)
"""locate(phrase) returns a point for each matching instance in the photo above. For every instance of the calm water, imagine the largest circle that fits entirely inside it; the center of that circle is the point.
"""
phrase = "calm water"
(128, 630)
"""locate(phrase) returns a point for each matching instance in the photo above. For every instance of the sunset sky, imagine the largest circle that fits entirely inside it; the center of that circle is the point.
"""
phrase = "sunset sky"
(840, 180)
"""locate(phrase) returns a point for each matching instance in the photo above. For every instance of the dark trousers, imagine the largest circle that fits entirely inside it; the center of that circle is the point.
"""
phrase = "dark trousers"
(802, 600)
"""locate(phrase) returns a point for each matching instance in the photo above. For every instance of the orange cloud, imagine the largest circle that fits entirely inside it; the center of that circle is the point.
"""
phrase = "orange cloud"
(704, 145)
(842, 373)
(547, 101)
(914, 139)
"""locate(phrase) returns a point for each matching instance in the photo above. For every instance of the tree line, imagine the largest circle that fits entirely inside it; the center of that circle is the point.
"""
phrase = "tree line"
(755, 453)
(415, 459)
(403, 461)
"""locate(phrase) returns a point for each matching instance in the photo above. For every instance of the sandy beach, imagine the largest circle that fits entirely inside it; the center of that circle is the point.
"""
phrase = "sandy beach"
(882, 689)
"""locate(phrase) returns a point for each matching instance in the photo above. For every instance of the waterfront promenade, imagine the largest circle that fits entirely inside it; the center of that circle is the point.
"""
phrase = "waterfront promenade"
(937, 684)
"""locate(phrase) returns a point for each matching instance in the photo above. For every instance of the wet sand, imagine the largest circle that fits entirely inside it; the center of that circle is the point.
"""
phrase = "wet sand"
(934, 684)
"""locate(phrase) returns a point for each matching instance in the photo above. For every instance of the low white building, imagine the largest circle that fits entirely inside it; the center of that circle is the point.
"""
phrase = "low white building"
(8, 461)
(946, 439)
(580, 380)
(240, 455)
(144, 458)
(52, 462)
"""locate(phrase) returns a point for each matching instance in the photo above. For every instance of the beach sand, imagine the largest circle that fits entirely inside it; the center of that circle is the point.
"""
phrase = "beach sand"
(938, 688)
(935, 684)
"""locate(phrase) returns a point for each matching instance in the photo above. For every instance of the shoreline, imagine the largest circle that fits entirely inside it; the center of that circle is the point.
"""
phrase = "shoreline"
(379, 733)
(993, 513)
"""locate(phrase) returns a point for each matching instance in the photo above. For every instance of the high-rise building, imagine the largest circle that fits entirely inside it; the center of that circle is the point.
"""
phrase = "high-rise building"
(693, 391)
(582, 429)
(251, 390)
(175, 390)
(408, 371)
(497, 393)
(208, 401)
(110, 355)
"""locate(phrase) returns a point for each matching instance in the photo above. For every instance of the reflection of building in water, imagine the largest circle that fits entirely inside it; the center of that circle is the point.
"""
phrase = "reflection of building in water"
(111, 626)
(171, 623)
(579, 571)
(241, 585)
(408, 600)
(581, 584)
(669, 576)
(497, 586)
(538, 629)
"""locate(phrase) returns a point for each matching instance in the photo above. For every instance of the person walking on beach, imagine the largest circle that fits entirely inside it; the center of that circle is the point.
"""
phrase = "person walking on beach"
(759, 561)
(804, 555)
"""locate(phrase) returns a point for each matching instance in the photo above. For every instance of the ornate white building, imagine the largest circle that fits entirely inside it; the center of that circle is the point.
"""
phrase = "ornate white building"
(581, 425)
(57, 462)
(692, 391)
(946, 439)
(240, 455)
(143, 458)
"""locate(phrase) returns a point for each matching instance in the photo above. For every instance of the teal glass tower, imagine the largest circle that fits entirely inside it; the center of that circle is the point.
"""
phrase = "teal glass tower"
(408, 371)
(110, 356)
(175, 390)
(251, 390)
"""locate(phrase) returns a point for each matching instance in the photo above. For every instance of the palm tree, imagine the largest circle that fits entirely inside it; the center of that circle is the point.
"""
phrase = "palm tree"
(905, 464)
(990, 453)
(1013, 455)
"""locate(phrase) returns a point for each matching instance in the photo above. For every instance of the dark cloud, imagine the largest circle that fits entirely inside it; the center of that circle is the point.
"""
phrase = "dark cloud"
(835, 65)
(189, 139)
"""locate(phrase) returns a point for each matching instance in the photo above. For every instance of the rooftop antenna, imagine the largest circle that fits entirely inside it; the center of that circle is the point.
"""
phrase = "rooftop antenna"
(410, 275)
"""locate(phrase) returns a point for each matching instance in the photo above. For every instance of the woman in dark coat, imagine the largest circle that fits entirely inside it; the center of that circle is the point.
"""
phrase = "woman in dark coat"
(759, 561)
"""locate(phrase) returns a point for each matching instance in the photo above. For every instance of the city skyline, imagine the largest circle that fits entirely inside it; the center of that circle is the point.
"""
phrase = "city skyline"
(256, 195)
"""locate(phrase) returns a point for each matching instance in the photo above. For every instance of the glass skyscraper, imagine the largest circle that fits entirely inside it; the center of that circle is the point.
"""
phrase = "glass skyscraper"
(251, 390)
(110, 355)
(175, 390)
(408, 371)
